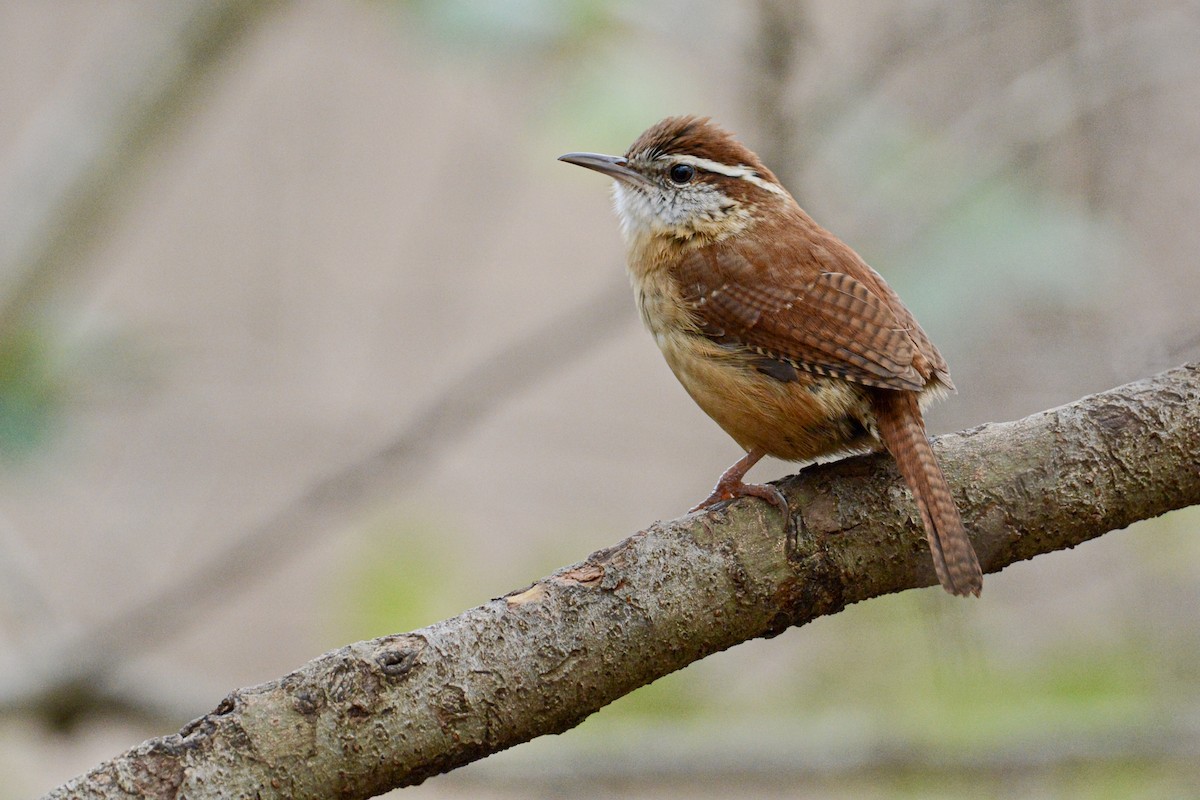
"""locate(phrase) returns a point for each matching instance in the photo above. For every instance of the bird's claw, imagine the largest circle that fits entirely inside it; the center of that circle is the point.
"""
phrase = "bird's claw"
(763, 491)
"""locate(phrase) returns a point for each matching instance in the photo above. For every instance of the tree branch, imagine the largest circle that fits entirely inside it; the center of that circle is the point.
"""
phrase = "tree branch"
(391, 712)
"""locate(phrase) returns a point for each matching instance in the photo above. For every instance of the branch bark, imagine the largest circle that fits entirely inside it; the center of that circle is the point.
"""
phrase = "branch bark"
(391, 712)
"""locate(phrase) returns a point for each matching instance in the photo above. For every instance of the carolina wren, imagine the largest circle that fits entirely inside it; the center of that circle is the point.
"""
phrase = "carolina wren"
(777, 329)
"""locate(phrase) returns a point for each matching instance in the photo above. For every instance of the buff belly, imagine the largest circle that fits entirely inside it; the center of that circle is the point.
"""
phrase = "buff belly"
(797, 420)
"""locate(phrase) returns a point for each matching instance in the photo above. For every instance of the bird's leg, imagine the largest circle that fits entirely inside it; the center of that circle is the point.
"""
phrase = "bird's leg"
(731, 486)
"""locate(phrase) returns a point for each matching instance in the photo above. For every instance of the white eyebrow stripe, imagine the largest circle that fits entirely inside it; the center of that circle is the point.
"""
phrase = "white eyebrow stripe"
(742, 171)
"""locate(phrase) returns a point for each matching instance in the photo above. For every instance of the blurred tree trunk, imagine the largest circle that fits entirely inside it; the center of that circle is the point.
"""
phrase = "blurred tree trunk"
(78, 155)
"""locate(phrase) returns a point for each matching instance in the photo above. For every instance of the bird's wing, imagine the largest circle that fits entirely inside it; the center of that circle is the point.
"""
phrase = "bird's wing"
(818, 309)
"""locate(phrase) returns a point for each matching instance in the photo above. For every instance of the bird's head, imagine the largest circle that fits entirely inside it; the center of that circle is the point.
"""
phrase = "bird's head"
(687, 178)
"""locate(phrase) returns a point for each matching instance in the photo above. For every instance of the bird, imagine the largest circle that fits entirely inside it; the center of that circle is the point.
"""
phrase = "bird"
(776, 328)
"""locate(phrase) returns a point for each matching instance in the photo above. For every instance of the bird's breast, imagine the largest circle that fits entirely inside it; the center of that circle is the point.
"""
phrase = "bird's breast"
(796, 420)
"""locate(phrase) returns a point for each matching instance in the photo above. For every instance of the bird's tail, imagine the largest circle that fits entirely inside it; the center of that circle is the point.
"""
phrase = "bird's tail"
(902, 430)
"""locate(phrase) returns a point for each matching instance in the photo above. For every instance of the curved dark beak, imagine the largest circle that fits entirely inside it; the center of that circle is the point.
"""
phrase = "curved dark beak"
(612, 166)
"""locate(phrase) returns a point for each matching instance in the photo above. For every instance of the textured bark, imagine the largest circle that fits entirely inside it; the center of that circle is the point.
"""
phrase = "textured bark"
(391, 712)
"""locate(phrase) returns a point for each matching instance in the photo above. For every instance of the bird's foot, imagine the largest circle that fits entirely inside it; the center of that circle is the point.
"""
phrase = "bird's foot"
(733, 489)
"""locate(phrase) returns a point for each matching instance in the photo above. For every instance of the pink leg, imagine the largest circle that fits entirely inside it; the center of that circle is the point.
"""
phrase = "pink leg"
(730, 486)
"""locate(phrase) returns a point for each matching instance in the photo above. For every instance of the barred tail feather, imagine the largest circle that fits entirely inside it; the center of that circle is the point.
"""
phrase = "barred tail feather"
(902, 430)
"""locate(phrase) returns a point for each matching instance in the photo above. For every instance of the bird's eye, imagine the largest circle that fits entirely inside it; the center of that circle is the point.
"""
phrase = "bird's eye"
(682, 173)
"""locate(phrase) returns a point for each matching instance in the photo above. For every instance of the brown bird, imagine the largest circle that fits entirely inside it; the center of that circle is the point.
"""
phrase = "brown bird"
(777, 329)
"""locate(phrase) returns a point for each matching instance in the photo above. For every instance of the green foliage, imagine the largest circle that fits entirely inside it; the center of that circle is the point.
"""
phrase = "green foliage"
(1001, 240)
(30, 391)
(509, 26)
(915, 676)
(404, 576)
(895, 667)
(678, 697)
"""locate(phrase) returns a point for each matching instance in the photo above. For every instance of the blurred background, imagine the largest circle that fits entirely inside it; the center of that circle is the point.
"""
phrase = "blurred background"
(305, 337)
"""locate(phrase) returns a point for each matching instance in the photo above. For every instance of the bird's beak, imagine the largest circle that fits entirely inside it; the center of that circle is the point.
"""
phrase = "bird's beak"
(614, 166)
